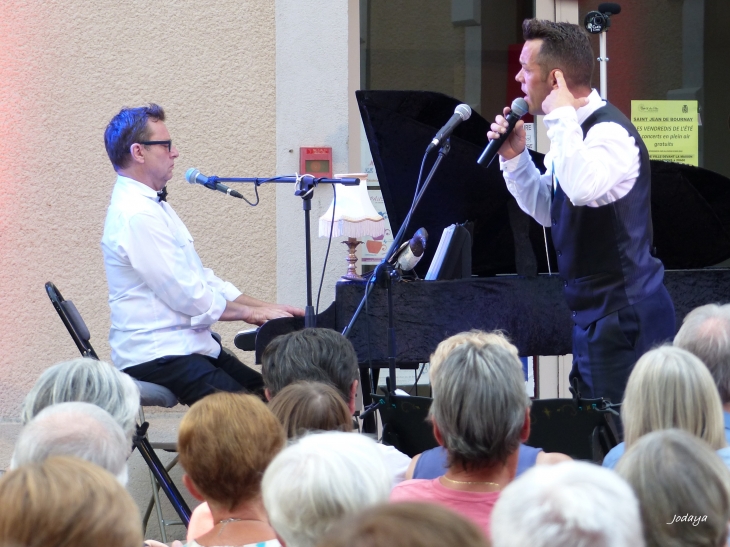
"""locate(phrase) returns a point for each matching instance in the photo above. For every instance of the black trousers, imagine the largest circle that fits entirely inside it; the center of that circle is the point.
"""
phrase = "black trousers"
(605, 353)
(192, 377)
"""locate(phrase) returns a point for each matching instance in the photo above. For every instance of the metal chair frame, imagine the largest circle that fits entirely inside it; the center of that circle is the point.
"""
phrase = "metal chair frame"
(159, 474)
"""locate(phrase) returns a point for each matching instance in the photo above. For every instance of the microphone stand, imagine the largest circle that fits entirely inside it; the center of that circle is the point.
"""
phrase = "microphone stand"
(304, 188)
(384, 273)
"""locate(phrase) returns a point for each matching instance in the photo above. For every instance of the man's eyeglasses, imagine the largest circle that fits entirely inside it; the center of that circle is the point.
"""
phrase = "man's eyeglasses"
(166, 143)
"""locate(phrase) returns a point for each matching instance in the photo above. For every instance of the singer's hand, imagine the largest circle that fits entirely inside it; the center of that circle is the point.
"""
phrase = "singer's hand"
(561, 96)
(515, 143)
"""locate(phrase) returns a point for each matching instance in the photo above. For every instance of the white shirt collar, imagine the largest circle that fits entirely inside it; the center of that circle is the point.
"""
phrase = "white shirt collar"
(594, 103)
(131, 185)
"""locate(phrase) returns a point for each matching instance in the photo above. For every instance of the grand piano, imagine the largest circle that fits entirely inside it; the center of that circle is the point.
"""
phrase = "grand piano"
(510, 288)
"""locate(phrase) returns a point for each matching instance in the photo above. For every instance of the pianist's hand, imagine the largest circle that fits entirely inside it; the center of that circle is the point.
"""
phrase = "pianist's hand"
(293, 310)
(253, 314)
(258, 315)
(515, 143)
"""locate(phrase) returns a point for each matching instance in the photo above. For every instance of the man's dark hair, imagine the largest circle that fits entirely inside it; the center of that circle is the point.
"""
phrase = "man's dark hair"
(310, 355)
(564, 46)
(128, 127)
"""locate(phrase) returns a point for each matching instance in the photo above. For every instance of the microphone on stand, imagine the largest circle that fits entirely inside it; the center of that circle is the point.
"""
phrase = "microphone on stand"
(411, 252)
(193, 176)
(518, 109)
(461, 114)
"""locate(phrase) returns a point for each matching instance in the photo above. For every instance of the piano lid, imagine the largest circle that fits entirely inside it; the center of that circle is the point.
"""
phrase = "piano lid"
(690, 206)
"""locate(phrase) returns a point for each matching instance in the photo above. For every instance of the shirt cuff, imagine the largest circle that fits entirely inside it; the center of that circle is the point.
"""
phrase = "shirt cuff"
(230, 292)
(212, 314)
(516, 163)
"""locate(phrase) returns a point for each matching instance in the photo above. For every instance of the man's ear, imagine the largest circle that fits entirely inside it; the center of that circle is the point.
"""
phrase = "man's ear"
(267, 394)
(353, 394)
(135, 150)
(552, 80)
(190, 485)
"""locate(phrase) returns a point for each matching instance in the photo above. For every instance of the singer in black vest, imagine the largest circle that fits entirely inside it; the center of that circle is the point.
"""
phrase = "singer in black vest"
(596, 198)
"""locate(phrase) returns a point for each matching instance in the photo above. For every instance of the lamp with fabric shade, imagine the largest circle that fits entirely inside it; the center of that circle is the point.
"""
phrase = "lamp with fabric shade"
(354, 217)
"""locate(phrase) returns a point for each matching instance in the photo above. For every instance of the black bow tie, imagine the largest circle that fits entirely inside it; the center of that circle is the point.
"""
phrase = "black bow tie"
(162, 194)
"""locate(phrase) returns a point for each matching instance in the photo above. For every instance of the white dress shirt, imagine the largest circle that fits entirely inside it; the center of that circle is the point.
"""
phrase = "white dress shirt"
(163, 301)
(594, 171)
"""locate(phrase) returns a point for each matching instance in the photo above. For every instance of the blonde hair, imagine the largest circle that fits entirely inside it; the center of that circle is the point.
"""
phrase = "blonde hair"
(66, 501)
(226, 441)
(671, 388)
(477, 338)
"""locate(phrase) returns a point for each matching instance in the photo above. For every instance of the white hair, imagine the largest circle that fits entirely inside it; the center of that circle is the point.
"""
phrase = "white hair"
(89, 381)
(319, 479)
(74, 429)
(572, 504)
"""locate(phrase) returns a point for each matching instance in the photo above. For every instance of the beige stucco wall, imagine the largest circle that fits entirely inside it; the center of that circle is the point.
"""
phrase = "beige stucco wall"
(66, 67)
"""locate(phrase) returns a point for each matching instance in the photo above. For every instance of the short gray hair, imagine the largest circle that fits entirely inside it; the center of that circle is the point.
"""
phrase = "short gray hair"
(74, 429)
(89, 381)
(705, 332)
(569, 504)
(319, 479)
(675, 474)
(479, 404)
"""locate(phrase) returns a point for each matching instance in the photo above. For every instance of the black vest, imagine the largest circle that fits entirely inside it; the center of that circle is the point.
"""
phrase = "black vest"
(603, 252)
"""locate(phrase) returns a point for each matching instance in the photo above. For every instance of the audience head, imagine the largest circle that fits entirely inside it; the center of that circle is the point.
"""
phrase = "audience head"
(683, 489)
(225, 443)
(671, 388)
(705, 332)
(320, 479)
(478, 338)
(571, 504)
(480, 407)
(310, 406)
(89, 381)
(406, 525)
(75, 429)
(66, 501)
(311, 355)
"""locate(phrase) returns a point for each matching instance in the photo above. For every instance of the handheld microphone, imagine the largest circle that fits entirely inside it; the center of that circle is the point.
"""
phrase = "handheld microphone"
(193, 176)
(461, 114)
(411, 251)
(519, 108)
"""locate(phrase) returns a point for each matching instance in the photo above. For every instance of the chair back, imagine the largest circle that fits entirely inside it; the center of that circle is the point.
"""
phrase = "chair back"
(581, 431)
(404, 423)
(72, 320)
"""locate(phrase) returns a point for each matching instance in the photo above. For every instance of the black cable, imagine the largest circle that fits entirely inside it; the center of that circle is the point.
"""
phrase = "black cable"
(329, 242)
(418, 377)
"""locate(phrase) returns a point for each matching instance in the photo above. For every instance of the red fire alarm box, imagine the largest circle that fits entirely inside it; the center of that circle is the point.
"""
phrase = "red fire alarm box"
(315, 161)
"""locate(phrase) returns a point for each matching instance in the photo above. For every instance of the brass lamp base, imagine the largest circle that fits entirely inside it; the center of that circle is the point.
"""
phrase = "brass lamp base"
(351, 274)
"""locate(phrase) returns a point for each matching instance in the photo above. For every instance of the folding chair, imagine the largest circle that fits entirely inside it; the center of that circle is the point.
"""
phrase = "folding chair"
(404, 422)
(582, 429)
(150, 395)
